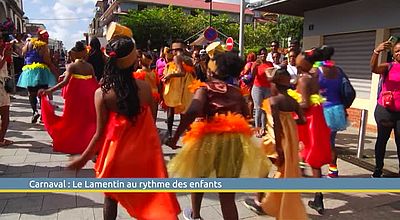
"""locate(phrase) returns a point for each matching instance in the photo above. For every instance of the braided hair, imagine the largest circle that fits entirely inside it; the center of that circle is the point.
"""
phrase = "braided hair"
(121, 80)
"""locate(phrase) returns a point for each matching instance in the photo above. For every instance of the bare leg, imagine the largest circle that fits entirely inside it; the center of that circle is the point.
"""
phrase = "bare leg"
(110, 208)
(170, 120)
(5, 119)
(228, 206)
(196, 204)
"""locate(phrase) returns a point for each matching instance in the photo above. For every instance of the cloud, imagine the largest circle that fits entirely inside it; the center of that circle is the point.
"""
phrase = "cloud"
(68, 29)
(36, 1)
(44, 10)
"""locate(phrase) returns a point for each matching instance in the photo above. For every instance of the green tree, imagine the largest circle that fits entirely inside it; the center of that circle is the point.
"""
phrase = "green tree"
(161, 25)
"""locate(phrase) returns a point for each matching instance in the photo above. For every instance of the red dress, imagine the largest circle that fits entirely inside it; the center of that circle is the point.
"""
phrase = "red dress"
(72, 132)
(133, 150)
(315, 136)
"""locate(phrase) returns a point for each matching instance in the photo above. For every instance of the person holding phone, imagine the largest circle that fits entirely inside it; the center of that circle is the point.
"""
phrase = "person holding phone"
(5, 56)
(387, 111)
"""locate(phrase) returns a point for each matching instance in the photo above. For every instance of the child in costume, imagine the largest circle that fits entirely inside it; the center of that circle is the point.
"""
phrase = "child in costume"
(330, 81)
(124, 125)
(314, 136)
(38, 70)
(178, 75)
(150, 77)
(219, 141)
(72, 132)
(281, 144)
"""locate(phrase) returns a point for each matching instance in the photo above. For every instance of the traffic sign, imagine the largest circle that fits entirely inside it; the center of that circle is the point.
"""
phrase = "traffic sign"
(229, 44)
(210, 34)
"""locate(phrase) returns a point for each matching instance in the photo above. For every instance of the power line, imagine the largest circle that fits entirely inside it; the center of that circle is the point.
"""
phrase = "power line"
(58, 19)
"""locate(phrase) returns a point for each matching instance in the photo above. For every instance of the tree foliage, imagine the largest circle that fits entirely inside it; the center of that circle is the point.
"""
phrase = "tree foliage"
(161, 25)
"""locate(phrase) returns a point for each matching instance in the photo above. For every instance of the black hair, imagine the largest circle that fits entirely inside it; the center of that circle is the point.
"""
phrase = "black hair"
(282, 72)
(262, 49)
(228, 65)
(319, 54)
(178, 41)
(95, 44)
(275, 41)
(79, 46)
(148, 55)
(121, 80)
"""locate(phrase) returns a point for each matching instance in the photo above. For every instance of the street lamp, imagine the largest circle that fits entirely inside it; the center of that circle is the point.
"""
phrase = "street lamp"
(210, 1)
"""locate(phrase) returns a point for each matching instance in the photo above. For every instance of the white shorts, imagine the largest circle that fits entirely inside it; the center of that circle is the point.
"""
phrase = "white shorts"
(4, 97)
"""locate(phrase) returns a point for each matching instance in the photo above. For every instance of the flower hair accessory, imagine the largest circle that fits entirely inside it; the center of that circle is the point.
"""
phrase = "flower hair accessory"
(112, 54)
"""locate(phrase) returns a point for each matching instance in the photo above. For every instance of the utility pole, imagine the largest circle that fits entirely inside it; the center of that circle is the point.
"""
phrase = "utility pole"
(241, 30)
(210, 1)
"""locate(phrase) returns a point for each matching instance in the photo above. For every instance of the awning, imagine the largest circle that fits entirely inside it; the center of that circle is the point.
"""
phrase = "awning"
(294, 7)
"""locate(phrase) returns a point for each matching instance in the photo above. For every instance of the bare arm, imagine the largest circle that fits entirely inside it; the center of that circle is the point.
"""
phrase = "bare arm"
(64, 82)
(277, 132)
(93, 147)
(303, 88)
(381, 68)
(300, 113)
(195, 109)
(47, 60)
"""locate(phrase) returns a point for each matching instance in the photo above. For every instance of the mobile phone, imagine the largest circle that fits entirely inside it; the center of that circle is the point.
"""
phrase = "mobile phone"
(393, 40)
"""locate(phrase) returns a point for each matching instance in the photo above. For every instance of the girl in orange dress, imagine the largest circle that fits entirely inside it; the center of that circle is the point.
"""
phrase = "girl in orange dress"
(151, 78)
(124, 124)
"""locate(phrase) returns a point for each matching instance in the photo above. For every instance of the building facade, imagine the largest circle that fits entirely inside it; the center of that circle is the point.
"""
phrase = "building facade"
(13, 9)
(109, 10)
(354, 28)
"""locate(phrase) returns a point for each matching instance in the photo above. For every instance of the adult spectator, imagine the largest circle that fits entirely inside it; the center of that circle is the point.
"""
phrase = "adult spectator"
(276, 59)
(294, 46)
(261, 89)
(246, 82)
(274, 49)
(387, 111)
(162, 62)
(291, 67)
(200, 64)
(5, 54)
(96, 58)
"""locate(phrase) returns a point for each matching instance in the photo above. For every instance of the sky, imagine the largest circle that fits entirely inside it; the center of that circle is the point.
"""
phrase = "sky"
(69, 31)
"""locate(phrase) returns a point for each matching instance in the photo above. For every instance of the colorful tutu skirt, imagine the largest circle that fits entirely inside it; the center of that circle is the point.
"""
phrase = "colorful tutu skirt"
(36, 74)
(220, 147)
(335, 117)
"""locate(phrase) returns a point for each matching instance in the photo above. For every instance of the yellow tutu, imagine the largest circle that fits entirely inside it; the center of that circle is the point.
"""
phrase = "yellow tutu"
(223, 151)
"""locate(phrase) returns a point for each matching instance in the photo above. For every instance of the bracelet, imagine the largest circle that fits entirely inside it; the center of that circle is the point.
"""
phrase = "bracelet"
(376, 52)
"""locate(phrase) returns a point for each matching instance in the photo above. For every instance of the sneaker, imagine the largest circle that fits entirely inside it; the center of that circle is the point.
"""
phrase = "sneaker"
(333, 172)
(35, 118)
(253, 206)
(187, 214)
(377, 174)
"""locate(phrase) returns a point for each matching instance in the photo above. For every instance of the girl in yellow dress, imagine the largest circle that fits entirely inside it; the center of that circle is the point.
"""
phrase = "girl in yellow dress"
(219, 141)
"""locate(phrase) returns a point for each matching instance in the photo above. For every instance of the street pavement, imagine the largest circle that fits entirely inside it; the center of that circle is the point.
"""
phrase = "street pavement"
(31, 156)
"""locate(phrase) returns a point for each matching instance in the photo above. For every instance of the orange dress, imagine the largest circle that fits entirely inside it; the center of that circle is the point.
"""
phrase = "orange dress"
(284, 205)
(123, 155)
(153, 80)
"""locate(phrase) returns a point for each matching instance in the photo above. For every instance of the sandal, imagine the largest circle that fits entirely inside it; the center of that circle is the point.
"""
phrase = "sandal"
(6, 142)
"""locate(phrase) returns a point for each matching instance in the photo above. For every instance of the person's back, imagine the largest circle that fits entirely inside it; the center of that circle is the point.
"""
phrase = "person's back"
(223, 98)
(330, 80)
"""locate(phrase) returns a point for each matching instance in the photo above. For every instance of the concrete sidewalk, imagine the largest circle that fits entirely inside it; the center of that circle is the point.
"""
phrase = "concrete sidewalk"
(32, 156)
